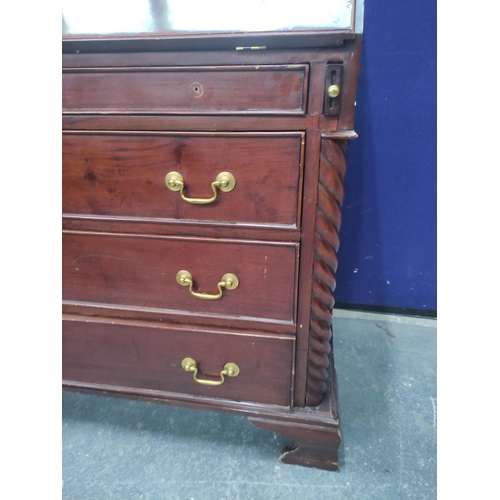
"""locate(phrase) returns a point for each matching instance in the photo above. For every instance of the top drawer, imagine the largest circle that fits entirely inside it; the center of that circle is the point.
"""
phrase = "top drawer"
(226, 90)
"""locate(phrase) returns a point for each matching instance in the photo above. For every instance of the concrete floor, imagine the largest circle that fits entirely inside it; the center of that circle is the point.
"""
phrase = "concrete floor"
(386, 366)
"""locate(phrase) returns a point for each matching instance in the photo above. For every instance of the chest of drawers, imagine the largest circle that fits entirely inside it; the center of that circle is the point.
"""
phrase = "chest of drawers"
(202, 189)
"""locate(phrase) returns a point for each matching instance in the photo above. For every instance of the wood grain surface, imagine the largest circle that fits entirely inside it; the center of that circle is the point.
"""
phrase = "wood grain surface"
(141, 271)
(123, 175)
(149, 355)
(266, 89)
(326, 244)
(137, 106)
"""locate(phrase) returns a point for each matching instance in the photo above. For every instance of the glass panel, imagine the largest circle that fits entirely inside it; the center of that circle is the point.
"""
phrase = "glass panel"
(157, 16)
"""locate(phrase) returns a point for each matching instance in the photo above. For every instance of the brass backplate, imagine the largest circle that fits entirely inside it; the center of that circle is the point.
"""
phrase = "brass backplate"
(174, 181)
(188, 363)
(232, 369)
(226, 181)
(231, 281)
(184, 278)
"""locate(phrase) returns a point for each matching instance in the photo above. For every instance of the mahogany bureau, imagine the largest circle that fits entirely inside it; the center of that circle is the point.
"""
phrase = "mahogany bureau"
(203, 167)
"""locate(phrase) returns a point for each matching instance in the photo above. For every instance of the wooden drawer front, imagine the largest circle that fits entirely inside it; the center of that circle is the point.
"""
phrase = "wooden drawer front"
(140, 271)
(123, 175)
(264, 89)
(148, 356)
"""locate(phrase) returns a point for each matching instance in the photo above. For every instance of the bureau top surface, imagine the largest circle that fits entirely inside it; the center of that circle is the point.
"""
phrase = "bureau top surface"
(198, 24)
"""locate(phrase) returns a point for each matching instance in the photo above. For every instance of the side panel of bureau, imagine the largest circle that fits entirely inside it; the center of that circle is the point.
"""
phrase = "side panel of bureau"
(148, 356)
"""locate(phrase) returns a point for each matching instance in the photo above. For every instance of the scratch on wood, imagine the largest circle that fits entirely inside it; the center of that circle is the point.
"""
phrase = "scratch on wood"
(101, 255)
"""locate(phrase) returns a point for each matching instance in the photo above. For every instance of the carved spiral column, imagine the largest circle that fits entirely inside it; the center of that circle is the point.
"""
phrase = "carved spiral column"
(326, 244)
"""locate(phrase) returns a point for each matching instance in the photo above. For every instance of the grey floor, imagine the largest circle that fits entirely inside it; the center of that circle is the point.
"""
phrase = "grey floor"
(386, 366)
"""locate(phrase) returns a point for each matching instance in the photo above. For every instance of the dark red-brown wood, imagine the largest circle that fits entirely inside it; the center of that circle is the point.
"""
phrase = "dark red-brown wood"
(347, 55)
(183, 123)
(140, 271)
(197, 90)
(142, 313)
(326, 244)
(136, 101)
(313, 446)
(148, 356)
(122, 174)
(213, 41)
(315, 434)
(175, 227)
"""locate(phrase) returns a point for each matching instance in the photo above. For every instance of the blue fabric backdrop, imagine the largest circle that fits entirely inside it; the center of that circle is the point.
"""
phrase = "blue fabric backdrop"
(388, 238)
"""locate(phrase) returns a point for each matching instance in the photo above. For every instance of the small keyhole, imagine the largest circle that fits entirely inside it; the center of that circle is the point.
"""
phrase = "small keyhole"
(197, 89)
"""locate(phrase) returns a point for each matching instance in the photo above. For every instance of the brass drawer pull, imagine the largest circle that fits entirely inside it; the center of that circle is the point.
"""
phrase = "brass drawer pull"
(229, 370)
(228, 281)
(225, 181)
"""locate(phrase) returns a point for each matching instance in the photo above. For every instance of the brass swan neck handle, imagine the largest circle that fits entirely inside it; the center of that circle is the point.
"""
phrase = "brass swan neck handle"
(229, 281)
(229, 370)
(224, 182)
